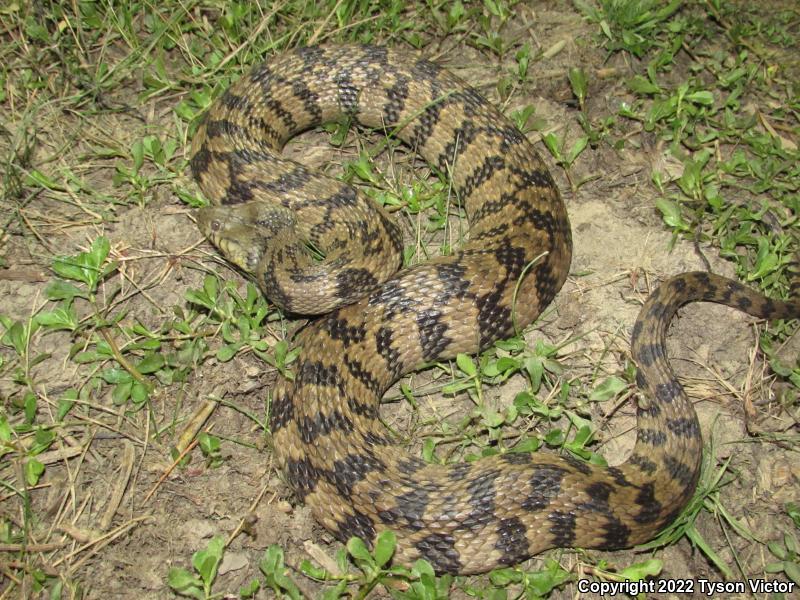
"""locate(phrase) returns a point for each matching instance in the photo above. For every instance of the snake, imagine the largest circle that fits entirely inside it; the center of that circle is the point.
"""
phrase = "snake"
(317, 246)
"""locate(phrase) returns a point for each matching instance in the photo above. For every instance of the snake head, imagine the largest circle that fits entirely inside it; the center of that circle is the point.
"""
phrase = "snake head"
(242, 232)
(237, 239)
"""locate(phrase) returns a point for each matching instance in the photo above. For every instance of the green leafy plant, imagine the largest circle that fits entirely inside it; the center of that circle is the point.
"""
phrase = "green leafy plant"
(205, 563)
(787, 550)
(419, 580)
(630, 25)
(276, 573)
(566, 157)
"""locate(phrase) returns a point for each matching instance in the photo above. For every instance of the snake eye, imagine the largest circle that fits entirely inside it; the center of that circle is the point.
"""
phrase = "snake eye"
(215, 225)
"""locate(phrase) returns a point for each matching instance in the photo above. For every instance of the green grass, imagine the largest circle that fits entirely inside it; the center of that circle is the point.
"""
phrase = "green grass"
(108, 337)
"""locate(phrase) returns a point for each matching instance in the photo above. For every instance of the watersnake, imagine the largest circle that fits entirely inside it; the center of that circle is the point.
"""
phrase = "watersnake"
(467, 517)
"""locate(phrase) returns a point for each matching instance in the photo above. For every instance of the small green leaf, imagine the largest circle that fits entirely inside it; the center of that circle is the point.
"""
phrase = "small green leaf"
(554, 437)
(792, 570)
(137, 152)
(5, 429)
(607, 389)
(33, 471)
(42, 440)
(273, 560)
(209, 444)
(503, 577)
(200, 299)
(522, 116)
(121, 392)
(85, 266)
(115, 375)
(429, 451)
(185, 583)
(534, 366)
(578, 147)
(36, 177)
(29, 402)
(63, 290)
(580, 84)
(384, 547)
(65, 403)
(249, 590)
(639, 571)
(207, 561)
(466, 365)
(64, 317)
(527, 445)
(16, 336)
(139, 392)
(358, 550)
(703, 97)
(641, 85)
(362, 168)
(778, 550)
(150, 363)
(227, 352)
(99, 250)
(314, 572)
(491, 418)
(791, 543)
(273, 568)
(552, 143)
(793, 510)
(211, 287)
(671, 213)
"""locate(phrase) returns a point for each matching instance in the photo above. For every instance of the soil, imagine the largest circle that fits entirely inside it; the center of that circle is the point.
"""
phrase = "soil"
(622, 250)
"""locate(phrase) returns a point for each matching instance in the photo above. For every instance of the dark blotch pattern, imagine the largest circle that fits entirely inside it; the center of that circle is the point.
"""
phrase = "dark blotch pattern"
(408, 511)
(357, 524)
(322, 424)
(684, 427)
(383, 343)
(432, 333)
(681, 472)
(649, 508)
(649, 354)
(517, 458)
(318, 374)
(545, 485)
(439, 549)
(668, 392)
(615, 534)
(281, 411)
(496, 319)
(348, 280)
(344, 331)
(562, 528)
(302, 475)
(645, 464)
(410, 465)
(481, 490)
(651, 437)
(359, 372)
(511, 540)
(348, 471)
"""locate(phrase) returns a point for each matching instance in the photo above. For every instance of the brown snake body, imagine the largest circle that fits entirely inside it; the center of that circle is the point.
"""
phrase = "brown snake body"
(337, 457)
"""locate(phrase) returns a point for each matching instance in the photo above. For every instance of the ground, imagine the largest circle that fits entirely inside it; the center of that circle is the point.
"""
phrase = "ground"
(109, 516)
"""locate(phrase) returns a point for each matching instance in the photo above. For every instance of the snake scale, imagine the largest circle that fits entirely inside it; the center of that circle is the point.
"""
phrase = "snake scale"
(336, 456)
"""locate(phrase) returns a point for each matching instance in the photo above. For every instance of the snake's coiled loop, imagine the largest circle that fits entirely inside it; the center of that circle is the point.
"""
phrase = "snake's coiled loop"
(338, 458)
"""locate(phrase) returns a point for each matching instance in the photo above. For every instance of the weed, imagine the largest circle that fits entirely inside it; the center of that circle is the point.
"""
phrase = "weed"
(787, 551)
(206, 564)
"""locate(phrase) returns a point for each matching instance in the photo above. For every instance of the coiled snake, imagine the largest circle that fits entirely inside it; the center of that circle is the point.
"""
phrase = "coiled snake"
(338, 459)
